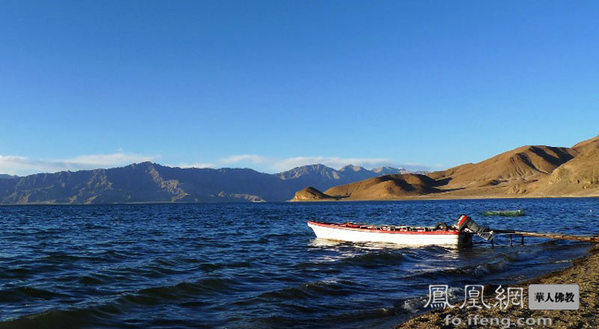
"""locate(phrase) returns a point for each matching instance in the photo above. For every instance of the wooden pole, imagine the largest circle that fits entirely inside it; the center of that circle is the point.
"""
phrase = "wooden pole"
(550, 236)
(560, 236)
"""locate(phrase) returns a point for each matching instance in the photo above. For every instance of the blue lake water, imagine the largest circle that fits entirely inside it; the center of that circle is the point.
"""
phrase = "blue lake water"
(255, 265)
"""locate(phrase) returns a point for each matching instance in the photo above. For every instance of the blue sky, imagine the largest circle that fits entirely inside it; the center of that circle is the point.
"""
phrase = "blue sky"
(274, 84)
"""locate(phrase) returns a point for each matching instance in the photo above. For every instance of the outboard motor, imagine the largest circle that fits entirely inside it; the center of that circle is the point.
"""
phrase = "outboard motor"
(466, 224)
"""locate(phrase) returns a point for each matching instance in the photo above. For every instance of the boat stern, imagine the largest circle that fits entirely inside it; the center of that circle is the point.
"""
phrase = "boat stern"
(465, 240)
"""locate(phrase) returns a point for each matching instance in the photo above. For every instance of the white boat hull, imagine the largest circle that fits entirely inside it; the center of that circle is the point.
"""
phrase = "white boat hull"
(332, 232)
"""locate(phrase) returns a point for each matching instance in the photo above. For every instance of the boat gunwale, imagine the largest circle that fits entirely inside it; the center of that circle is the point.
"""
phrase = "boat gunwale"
(340, 227)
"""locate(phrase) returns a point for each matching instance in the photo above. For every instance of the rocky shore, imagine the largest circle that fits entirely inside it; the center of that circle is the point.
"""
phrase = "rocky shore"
(584, 272)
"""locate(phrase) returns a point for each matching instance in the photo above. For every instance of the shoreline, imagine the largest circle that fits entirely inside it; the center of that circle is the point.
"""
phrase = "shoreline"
(583, 271)
(307, 201)
(475, 197)
(407, 198)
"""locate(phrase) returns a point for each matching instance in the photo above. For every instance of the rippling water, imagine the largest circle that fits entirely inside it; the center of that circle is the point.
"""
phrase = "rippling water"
(254, 265)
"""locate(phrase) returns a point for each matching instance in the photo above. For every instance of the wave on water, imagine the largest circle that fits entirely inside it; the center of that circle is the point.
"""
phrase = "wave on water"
(252, 265)
(185, 293)
(365, 260)
(312, 290)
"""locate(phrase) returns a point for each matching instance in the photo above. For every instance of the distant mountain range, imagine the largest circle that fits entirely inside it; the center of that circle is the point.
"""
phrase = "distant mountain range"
(527, 171)
(150, 182)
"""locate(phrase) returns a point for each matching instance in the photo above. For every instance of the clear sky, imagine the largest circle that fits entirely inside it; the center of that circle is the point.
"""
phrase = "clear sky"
(273, 84)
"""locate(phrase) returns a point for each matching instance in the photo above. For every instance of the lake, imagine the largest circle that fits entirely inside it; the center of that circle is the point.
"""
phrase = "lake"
(256, 265)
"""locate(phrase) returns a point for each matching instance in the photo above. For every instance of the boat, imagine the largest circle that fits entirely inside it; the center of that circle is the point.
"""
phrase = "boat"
(459, 235)
(506, 213)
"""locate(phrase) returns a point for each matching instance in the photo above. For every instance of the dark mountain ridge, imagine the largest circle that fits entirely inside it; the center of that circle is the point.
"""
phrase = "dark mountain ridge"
(150, 182)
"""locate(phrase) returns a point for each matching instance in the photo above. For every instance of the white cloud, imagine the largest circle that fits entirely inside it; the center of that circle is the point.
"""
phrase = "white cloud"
(104, 160)
(19, 165)
(333, 162)
(251, 158)
(195, 165)
(270, 164)
(278, 164)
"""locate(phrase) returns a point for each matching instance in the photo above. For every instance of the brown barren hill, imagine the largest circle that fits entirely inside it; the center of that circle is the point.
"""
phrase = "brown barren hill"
(577, 177)
(522, 164)
(527, 171)
(587, 145)
(385, 187)
(310, 194)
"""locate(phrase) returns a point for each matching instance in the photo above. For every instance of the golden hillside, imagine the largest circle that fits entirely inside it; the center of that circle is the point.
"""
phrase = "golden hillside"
(577, 177)
(527, 171)
(385, 187)
(521, 164)
(310, 194)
